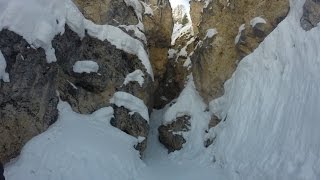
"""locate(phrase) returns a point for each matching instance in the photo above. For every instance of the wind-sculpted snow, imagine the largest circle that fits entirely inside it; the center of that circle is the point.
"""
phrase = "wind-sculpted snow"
(271, 105)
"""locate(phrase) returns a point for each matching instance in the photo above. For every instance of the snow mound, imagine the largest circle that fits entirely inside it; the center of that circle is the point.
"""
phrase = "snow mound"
(136, 75)
(134, 104)
(271, 105)
(78, 147)
(3, 64)
(85, 66)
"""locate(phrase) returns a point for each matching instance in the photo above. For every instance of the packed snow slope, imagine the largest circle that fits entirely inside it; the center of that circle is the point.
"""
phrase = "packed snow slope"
(271, 105)
(271, 128)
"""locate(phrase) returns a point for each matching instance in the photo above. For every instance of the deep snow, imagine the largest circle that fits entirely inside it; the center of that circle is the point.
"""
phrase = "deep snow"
(271, 107)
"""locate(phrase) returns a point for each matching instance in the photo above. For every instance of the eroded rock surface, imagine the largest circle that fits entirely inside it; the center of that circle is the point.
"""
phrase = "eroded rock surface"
(216, 58)
(171, 135)
(28, 102)
(311, 14)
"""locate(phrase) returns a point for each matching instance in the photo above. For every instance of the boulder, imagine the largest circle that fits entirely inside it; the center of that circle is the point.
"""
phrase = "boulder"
(311, 14)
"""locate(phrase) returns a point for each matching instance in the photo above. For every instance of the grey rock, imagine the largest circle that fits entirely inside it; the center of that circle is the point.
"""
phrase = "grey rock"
(133, 125)
(168, 134)
(28, 103)
(311, 14)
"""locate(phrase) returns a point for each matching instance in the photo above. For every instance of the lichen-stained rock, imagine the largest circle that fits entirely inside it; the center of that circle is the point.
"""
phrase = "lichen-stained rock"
(171, 135)
(241, 26)
(311, 14)
(28, 102)
(107, 12)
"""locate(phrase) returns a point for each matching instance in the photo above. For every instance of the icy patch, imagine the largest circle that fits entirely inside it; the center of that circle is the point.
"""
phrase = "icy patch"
(211, 33)
(136, 75)
(271, 105)
(78, 147)
(3, 64)
(85, 67)
(257, 20)
(241, 28)
(134, 104)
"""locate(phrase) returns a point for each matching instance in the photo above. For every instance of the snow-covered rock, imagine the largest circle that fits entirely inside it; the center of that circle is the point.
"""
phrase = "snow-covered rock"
(85, 66)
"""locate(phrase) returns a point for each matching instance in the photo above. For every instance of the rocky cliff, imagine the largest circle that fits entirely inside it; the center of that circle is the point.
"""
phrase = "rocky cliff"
(28, 103)
(239, 26)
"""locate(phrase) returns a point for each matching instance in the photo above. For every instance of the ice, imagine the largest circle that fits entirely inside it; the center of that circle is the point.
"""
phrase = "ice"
(85, 66)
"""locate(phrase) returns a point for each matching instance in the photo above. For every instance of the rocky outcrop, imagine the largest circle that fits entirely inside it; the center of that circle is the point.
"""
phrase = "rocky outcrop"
(241, 26)
(133, 124)
(171, 135)
(107, 12)
(28, 102)
(196, 8)
(158, 30)
(311, 14)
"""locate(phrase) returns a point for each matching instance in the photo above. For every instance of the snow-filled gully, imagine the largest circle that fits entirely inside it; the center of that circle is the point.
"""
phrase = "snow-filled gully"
(271, 105)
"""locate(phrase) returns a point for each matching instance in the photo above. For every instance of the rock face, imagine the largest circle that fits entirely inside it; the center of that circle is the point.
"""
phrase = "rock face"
(196, 7)
(171, 135)
(107, 11)
(28, 102)
(311, 14)
(158, 30)
(241, 26)
(134, 125)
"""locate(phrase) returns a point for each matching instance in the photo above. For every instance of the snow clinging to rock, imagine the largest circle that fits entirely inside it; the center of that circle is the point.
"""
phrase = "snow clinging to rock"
(85, 66)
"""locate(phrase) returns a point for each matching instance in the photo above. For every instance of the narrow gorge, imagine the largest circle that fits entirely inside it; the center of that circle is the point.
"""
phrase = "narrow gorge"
(153, 89)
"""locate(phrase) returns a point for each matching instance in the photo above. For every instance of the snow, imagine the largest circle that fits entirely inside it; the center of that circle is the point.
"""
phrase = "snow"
(211, 33)
(171, 53)
(85, 66)
(3, 64)
(271, 105)
(136, 75)
(136, 5)
(38, 21)
(241, 28)
(78, 147)
(187, 63)
(179, 31)
(147, 9)
(257, 20)
(136, 31)
(134, 104)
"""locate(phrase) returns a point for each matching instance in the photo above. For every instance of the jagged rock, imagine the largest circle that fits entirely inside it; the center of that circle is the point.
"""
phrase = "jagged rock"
(216, 58)
(196, 7)
(88, 92)
(28, 102)
(170, 135)
(132, 124)
(158, 30)
(107, 12)
(311, 14)
(209, 138)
